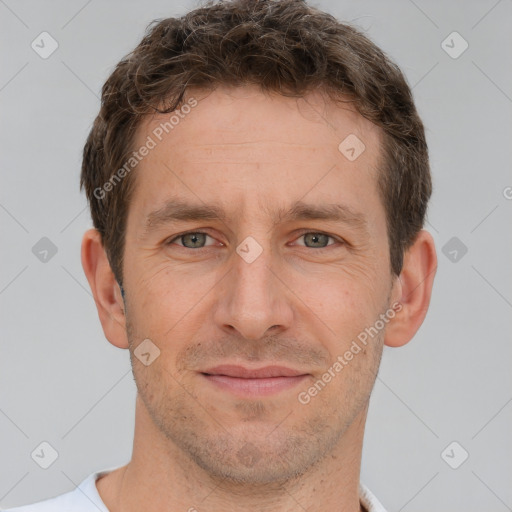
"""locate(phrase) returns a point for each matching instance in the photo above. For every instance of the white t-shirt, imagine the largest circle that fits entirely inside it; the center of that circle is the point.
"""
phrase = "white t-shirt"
(85, 498)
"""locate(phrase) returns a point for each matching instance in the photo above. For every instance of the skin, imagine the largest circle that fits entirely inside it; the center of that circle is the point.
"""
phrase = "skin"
(299, 304)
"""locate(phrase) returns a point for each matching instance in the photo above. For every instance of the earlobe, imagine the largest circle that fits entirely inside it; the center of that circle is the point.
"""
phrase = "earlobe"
(105, 289)
(414, 288)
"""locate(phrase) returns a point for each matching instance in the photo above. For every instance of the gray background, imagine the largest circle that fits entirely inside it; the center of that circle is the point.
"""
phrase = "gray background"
(63, 383)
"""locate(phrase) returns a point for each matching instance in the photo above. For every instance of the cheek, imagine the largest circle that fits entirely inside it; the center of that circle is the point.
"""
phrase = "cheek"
(169, 305)
(166, 292)
(347, 296)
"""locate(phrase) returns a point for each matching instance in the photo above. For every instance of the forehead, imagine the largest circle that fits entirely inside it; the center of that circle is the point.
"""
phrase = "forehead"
(256, 147)
(240, 115)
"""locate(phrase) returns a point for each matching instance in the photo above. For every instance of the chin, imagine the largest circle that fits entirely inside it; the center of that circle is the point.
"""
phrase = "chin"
(255, 458)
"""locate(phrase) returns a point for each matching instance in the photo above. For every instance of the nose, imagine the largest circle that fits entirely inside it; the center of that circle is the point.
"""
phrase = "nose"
(254, 300)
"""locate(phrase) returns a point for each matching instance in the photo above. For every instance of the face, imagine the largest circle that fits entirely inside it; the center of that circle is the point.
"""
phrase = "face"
(253, 241)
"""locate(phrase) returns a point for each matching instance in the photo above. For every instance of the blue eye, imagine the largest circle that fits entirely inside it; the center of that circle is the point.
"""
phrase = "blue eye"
(316, 238)
(197, 240)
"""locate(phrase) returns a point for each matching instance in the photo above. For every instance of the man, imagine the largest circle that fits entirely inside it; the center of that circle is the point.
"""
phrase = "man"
(258, 179)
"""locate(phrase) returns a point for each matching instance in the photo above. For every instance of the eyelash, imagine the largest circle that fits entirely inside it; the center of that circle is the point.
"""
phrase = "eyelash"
(169, 242)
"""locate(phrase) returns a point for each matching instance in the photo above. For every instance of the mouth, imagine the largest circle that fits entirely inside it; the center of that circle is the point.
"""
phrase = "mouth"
(246, 382)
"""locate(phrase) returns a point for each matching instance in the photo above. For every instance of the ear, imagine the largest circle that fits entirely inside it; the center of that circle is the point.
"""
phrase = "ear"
(412, 290)
(105, 290)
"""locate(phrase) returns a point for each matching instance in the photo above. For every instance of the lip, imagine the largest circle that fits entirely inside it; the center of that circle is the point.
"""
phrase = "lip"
(232, 370)
(253, 383)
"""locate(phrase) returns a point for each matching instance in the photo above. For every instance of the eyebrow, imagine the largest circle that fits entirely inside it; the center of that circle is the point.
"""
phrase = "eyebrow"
(328, 211)
(176, 210)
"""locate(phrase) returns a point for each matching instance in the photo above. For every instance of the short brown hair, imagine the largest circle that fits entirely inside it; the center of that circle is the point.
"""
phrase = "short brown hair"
(283, 46)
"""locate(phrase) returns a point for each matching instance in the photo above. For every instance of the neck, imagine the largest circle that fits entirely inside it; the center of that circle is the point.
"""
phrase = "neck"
(160, 476)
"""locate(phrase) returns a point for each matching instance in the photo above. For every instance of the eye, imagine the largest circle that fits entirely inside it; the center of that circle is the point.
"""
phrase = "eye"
(317, 240)
(191, 240)
(197, 240)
